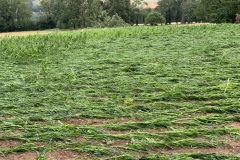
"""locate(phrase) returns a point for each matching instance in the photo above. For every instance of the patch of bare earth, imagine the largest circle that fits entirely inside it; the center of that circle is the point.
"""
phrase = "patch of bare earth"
(113, 143)
(41, 144)
(5, 116)
(65, 155)
(156, 131)
(120, 142)
(80, 139)
(232, 148)
(184, 120)
(20, 156)
(17, 131)
(87, 121)
(194, 115)
(202, 150)
(9, 144)
(127, 120)
(115, 132)
(25, 33)
(139, 155)
(96, 122)
(10, 133)
(235, 125)
(43, 122)
(190, 117)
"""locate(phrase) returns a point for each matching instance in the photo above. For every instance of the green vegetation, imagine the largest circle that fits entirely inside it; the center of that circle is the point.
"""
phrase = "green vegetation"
(188, 11)
(169, 92)
(74, 14)
(15, 15)
(154, 18)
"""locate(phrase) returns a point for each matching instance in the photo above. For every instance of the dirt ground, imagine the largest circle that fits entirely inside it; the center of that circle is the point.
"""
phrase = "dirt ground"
(24, 33)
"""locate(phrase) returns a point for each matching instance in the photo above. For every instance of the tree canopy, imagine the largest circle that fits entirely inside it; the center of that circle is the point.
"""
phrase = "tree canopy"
(154, 18)
(14, 15)
(70, 14)
(216, 11)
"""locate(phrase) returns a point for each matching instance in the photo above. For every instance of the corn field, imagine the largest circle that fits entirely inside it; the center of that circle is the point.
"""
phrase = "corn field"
(164, 92)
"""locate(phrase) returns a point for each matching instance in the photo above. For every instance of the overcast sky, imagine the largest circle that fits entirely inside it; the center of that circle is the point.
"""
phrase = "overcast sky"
(151, 1)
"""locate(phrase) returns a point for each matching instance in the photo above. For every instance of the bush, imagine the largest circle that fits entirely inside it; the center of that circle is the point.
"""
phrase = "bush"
(115, 21)
(107, 21)
(154, 18)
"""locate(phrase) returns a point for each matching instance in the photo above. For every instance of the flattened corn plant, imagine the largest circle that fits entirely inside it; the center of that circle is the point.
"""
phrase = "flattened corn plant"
(169, 92)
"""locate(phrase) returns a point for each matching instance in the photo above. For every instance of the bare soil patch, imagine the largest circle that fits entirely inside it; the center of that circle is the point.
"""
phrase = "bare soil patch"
(5, 116)
(87, 121)
(20, 156)
(65, 155)
(24, 33)
(235, 125)
(42, 122)
(80, 139)
(120, 142)
(9, 143)
(156, 131)
(115, 132)
(96, 122)
(41, 144)
(185, 120)
(234, 147)
(17, 131)
(231, 150)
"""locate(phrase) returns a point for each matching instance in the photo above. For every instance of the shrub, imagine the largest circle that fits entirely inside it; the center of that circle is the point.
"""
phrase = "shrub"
(154, 18)
(107, 21)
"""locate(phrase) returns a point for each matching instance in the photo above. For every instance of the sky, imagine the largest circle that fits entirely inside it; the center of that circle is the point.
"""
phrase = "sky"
(151, 3)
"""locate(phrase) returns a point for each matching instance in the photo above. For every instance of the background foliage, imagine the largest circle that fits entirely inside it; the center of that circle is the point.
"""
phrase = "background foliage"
(74, 14)
(216, 11)
(154, 18)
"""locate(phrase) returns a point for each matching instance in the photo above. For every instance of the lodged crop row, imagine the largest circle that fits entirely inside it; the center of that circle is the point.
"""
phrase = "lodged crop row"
(167, 92)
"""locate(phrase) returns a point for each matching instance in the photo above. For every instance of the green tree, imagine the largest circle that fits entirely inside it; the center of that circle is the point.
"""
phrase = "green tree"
(154, 18)
(77, 13)
(178, 10)
(14, 15)
(218, 11)
(188, 8)
(144, 12)
(50, 12)
(201, 12)
(6, 18)
(167, 8)
(120, 7)
(137, 10)
(23, 14)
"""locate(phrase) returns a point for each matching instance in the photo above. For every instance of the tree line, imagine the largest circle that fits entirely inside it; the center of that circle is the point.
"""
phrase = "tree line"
(188, 11)
(15, 15)
(71, 14)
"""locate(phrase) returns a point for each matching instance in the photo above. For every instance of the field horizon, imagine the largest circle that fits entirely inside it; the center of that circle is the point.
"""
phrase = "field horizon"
(163, 92)
(42, 32)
